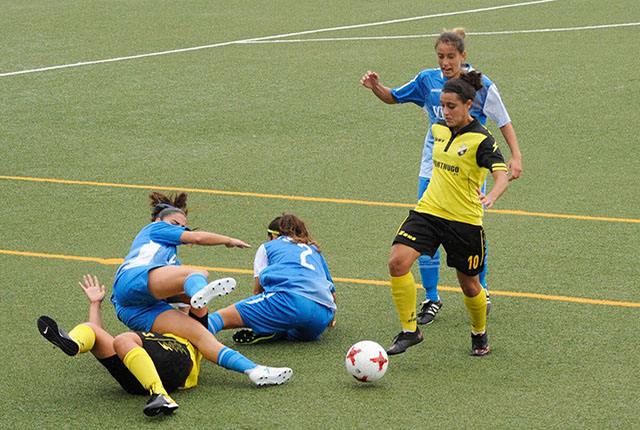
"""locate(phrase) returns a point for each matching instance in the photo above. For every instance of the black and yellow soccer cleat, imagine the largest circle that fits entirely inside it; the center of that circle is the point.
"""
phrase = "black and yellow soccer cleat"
(160, 403)
(404, 340)
(54, 334)
(247, 337)
(479, 344)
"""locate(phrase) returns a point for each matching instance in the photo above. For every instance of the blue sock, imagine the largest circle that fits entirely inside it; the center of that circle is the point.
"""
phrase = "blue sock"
(430, 274)
(194, 283)
(483, 274)
(233, 360)
(215, 323)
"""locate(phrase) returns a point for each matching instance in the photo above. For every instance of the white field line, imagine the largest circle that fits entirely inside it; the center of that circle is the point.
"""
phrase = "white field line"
(256, 39)
(417, 36)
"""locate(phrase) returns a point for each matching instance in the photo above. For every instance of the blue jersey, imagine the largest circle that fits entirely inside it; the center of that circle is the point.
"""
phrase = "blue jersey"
(425, 89)
(296, 268)
(154, 246)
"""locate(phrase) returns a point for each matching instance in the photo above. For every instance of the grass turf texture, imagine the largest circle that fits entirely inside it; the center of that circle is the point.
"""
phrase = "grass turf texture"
(292, 119)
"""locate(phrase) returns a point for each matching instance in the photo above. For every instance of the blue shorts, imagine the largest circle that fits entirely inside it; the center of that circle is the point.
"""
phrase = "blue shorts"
(135, 306)
(297, 317)
(130, 288)
(141, 318)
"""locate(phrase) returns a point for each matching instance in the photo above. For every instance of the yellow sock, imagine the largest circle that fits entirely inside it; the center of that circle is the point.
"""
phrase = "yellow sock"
(403, 289)
(85, 336)
(141, 366)
(477, 307)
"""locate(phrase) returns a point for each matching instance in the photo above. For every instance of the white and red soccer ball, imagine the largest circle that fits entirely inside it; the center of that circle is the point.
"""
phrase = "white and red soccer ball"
(367, 361)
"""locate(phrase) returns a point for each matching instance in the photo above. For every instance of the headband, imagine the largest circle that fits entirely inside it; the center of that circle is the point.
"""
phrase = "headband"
(273, 231)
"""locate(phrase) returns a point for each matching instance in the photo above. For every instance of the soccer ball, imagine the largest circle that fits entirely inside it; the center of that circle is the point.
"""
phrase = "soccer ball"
(367, 361)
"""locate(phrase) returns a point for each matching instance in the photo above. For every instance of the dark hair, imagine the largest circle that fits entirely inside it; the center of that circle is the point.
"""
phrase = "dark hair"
(292, 226)
(465, 86)
(163, 205)
(453, 37)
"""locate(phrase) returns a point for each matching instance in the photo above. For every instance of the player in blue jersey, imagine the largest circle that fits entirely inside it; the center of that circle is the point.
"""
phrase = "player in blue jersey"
(151, 274)
(424, 90)
(294, 296)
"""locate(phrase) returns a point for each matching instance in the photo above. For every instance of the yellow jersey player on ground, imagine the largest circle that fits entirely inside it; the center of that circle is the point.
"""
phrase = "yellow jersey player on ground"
(141, 362)
(450, 213)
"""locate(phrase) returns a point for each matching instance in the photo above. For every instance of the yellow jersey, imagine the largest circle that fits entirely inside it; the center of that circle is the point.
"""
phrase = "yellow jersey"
(461, 162)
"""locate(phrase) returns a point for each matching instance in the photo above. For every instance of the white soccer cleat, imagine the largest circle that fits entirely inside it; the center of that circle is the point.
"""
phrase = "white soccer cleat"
(263, 375)
(217, 288)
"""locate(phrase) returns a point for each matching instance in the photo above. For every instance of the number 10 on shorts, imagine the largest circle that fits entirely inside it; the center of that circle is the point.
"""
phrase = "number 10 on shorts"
(473, 260)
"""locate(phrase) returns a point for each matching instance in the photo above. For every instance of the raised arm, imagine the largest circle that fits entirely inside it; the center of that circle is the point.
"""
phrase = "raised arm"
(211, 239)
(371, 80)
(95, 293)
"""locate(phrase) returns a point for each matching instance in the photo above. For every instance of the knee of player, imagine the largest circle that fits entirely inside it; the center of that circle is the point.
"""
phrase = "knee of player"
(92, 326)
(398, 266)
(125, 342)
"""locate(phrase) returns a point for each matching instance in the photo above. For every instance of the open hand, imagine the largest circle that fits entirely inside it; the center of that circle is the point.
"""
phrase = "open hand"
(237, 243)
(92, 288)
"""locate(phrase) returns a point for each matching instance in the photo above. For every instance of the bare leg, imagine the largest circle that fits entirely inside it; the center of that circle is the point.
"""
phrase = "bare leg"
(103, 346)
(230, 317)
(182, 325)
(125, 342)
(401, 259)
(470, 284)
(167, 281)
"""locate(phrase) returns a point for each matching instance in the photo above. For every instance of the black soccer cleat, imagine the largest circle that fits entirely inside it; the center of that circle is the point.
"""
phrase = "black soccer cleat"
(404, 340)
(479, 344)
(248, 336)
(160, 403)
(428, 312)
(54, 334)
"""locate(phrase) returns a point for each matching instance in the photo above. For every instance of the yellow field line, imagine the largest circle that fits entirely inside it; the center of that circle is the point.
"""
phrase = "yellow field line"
(303, 198)
(117, 261)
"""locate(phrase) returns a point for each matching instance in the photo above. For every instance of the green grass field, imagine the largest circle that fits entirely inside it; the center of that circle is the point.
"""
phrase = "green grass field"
(259, 120)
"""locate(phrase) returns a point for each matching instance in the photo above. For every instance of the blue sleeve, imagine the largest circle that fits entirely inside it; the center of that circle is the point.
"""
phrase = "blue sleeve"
(328, 275)
(166, 233)
(413, 91)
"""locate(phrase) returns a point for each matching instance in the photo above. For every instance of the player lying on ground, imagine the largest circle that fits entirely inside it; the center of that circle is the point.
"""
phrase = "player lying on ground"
(151, 273)
(294, 294)
(142, 362)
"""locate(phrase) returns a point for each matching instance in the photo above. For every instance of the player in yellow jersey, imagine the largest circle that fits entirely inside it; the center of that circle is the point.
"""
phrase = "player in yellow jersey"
(450, 213)
(142, 362)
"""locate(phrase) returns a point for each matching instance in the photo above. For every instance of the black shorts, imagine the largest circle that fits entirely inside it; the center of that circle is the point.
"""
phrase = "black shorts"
(170, 356)
(464, 243)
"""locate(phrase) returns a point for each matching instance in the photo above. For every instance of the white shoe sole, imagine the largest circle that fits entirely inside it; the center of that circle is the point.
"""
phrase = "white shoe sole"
(217, 288)
(273, 376)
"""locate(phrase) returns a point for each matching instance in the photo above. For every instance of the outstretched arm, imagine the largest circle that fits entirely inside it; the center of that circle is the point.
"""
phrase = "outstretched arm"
(211, 239)
(371, 80)
(95, 294)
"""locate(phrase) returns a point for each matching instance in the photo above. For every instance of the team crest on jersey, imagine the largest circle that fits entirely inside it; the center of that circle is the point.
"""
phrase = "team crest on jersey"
(462, 150)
